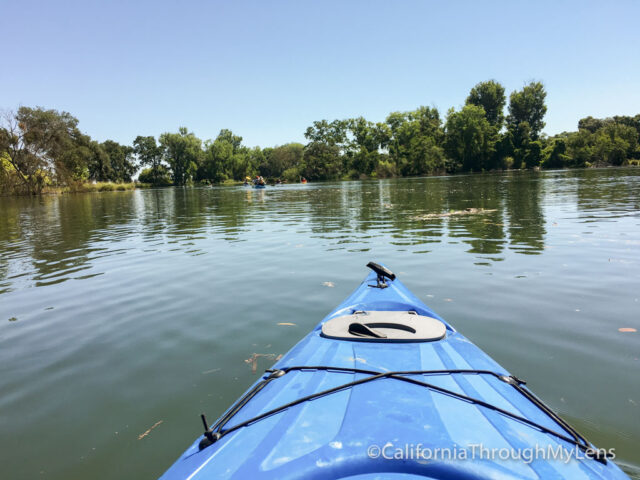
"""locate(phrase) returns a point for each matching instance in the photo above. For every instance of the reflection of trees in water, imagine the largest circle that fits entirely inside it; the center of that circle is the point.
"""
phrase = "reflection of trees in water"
(357, 212)
(190, 213)
(600, 189)
(10, 238)
(524, 211)
(154, 209)
(57, 231)
(484, 232)
(52, 238)
(409, 200)
(334, 211)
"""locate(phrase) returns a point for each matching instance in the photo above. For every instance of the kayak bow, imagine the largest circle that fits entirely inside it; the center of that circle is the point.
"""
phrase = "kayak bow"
(385, 388)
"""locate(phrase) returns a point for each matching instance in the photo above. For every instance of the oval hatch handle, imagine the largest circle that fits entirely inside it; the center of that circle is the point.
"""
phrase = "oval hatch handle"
(361, 330)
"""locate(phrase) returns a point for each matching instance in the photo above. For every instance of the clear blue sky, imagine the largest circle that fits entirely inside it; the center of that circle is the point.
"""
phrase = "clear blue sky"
(267, 69)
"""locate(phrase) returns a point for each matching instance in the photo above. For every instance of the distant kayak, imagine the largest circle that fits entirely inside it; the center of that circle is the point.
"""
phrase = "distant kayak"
(259, 186)
(385, 388)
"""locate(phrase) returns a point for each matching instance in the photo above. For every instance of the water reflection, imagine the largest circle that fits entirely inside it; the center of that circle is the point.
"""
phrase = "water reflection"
(613, 192)
(53, 239)
(524, 212)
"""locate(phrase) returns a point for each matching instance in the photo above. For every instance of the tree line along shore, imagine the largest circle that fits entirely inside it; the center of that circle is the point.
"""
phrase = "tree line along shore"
(43, 150)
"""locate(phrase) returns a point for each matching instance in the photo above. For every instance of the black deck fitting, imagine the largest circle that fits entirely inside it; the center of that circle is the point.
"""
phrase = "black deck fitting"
(382, 273)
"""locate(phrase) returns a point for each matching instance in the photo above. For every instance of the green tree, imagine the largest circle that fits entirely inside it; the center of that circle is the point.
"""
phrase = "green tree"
(214, 160)
(554, 155)
(528, 105)
(282, 158)
(603, 142)
(527, 109)
(614, 143)
(36, 142)
(490, 96)
(415, 143)
(580, 148)
(226, 158)
(322, 161)
(533, 154)
(181, 151)
(10, 182)
(334, 133)
(633, 122)
(255, 158)
(149, 154)
(158, 176)
(591, 124)
(470, 140)
(228, 136)
(97, 161)
(121, 159)
(365, 140)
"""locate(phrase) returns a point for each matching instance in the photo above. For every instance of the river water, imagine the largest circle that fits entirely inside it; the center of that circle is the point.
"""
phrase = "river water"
(125, 313)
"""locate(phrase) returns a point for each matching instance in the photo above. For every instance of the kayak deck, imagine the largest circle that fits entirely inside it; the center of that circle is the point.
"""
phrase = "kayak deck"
(319, 414)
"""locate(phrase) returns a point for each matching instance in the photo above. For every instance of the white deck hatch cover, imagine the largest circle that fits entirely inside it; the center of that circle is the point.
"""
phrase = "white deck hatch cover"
(384, 326)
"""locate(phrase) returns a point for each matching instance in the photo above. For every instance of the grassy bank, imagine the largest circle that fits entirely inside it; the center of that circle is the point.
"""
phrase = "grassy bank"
(18, 190)
(97, 187)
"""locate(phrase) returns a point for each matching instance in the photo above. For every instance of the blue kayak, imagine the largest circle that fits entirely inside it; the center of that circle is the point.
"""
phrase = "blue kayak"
(383, 388)
(259, 186)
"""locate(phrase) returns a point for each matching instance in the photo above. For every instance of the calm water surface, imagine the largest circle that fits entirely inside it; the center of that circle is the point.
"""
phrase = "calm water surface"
(127, 310)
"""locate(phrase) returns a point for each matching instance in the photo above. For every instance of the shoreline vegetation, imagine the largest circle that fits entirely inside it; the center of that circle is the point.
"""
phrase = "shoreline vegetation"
(43, 151)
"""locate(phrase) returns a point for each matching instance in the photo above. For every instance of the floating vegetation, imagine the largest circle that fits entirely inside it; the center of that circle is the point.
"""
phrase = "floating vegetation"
(142, 435)
(287, 324)
(253, 359)
(13, 319)
(328, 284)
(211, 371)
(455, 213)
(627, 330)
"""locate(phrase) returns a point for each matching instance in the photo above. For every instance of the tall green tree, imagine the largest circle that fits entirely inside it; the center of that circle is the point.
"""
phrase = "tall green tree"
(97, 161)
(181, 151)
(149, 154)
(591, 124)
(609, 141)
(282, 158)
(614, 143)
(121, 159)
(226, 158)
(470, 140)
(525, 122)
(214, 160)
(415, 144)
(580, 149)
(490, 96)
(322, 161)
(36, 143)
(228, 136)
(528, 106)
(554, 155)
(331, 133)
(365, 141)
(633, 122)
